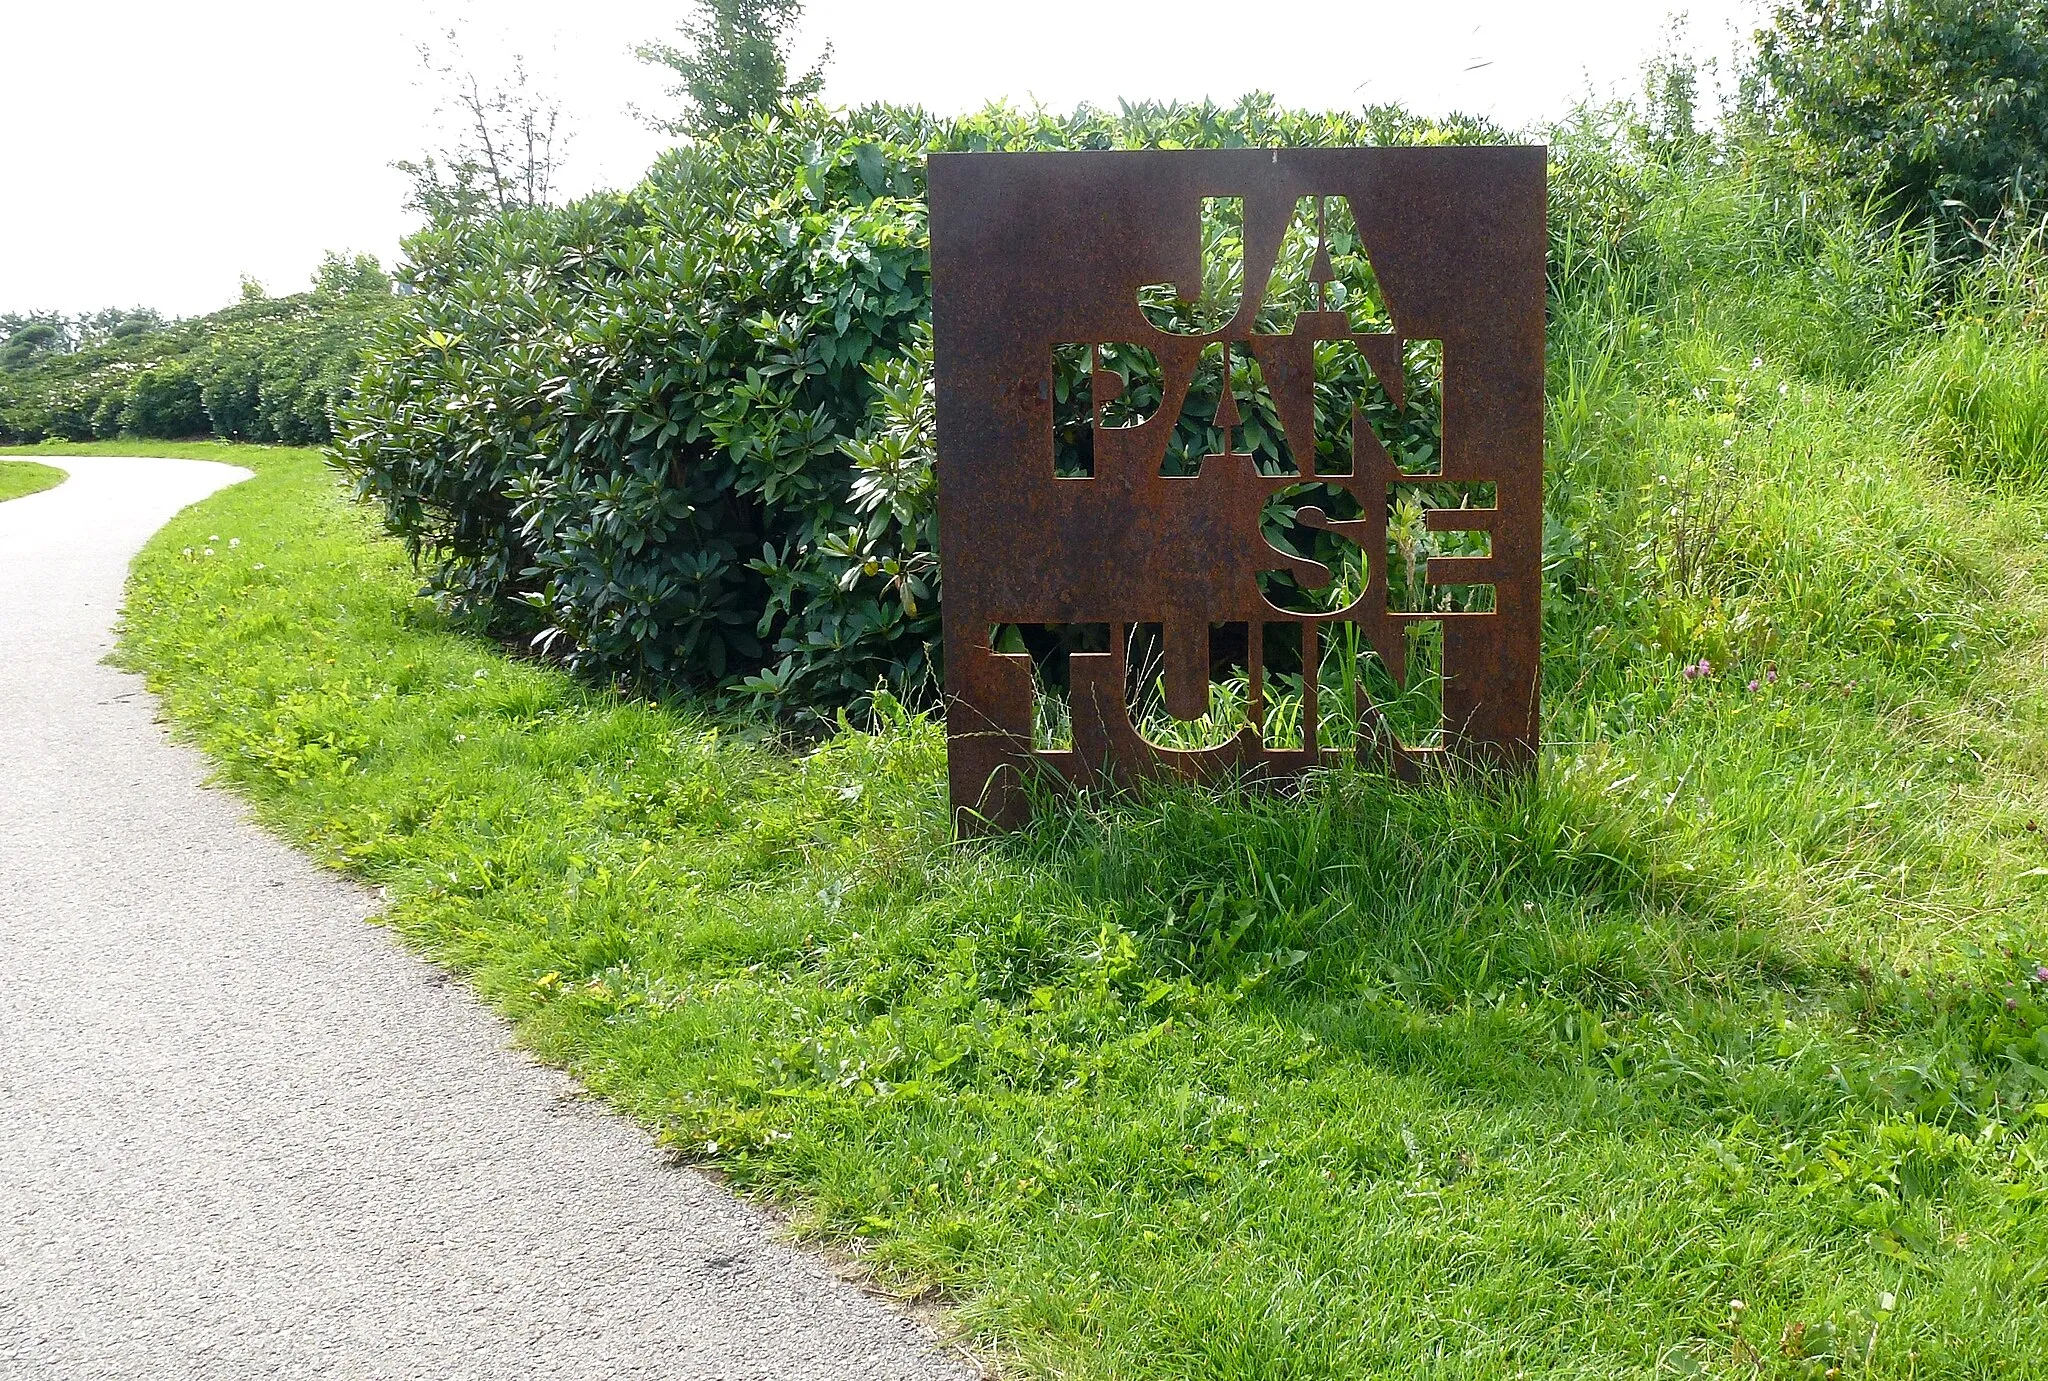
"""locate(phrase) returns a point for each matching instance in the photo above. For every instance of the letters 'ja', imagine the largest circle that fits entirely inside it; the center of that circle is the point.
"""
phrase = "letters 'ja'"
(1240, 462)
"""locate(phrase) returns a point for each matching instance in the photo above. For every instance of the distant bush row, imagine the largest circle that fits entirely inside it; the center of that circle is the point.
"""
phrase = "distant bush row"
(266, 369)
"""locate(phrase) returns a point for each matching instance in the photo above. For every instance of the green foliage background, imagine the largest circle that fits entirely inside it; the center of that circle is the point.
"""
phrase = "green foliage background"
(1937, 110)
(675, 435)
(266, 369)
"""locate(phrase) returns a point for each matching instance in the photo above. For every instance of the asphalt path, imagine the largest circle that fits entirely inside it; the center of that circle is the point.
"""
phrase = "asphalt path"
(244, 1133)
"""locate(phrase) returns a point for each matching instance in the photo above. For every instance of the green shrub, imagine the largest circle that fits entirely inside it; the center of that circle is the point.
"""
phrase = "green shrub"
(231, 393)
(106, 422)
(164, 401)
(621, 423)
(672, 435)
(1937, 108)
(72, 410)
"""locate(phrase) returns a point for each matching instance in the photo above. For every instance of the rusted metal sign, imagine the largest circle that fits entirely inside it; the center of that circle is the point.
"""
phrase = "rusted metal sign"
(1237, 449)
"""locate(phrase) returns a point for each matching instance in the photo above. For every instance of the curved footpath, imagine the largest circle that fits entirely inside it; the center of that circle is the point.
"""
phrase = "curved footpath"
(243, 1133)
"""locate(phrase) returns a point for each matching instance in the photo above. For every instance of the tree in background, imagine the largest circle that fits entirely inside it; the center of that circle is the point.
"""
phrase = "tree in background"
(26, 338)
(1937, 109)
(734, 65)
(505, 141)
(1668, 125)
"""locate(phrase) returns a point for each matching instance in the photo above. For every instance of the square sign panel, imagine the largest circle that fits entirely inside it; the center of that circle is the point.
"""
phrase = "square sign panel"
(1240, 463)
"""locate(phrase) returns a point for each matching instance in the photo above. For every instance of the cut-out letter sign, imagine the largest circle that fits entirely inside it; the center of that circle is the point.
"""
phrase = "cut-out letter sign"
(1189, 395)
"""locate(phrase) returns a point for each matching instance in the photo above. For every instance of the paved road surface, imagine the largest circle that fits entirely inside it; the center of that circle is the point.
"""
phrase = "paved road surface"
(242, 1133)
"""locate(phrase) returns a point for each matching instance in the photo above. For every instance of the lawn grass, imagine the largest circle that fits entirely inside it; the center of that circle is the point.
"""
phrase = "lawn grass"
(170, 450)
(1722, 1049)
(19, 478)
(1377, 1082)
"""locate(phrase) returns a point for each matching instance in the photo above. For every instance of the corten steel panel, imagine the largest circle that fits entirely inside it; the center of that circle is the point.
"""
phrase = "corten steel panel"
(1035, 251)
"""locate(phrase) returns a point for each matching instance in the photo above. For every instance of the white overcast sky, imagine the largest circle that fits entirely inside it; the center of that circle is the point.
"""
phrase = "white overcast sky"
(155, 152)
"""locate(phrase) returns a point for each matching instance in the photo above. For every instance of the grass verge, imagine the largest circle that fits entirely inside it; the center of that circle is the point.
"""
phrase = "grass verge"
(20, 478)
(231, 452)
(1719, 1051)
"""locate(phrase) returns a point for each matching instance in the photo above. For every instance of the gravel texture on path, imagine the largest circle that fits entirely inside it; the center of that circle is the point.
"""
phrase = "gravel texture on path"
(244, 1133)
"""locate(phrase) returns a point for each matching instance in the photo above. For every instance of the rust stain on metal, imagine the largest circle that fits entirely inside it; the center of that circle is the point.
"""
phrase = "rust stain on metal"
(1036, 253)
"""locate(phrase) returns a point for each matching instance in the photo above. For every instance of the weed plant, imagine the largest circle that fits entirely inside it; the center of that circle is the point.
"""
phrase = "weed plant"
(1720, 1049)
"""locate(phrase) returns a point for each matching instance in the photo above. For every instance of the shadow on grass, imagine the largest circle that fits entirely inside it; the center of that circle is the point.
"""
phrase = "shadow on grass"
(1445, 891)
(1500, 942)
